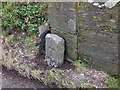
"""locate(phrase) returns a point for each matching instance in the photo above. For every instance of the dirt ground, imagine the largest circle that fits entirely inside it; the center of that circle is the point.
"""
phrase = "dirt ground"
(11, 79)
(87, 77)
(0, 78)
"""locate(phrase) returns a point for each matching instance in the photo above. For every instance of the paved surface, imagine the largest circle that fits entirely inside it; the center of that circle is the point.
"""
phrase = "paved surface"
(11, 79)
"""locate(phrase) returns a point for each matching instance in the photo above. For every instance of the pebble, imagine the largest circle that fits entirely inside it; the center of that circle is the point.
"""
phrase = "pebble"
(101, 84)
(111, 3)
(103, 5)
(95, 76)
(96, 4)
(32, 51)
(75, 76)
(108, 4)
(88, 73)
(68, 70)
(99, 6)
(90, 1)
(82, 75)
(23, 33)
(112, 20)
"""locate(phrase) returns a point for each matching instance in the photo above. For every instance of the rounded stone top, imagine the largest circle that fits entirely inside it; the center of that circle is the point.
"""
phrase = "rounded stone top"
(55, 37)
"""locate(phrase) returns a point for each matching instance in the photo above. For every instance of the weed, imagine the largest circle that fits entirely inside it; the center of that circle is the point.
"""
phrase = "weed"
(112, 82)
(54, 76)
(85, 85)
(10, 39)
(82, 63)
(29, 43)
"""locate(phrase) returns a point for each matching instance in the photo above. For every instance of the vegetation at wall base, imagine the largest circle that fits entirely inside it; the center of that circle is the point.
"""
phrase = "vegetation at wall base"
(113, 81)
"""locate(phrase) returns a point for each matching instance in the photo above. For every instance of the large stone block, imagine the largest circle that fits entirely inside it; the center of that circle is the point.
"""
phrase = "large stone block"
(99, 19)
(70, 44)
(54, 50)
(62, 16)
(97, 30)
(101, 48)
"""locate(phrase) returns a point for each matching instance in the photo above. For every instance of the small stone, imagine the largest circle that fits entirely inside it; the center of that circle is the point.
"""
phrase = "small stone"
(82, 75)
(101, 84)
(68, 70)
(99, 6)
(90, 1)
(112, 21)
(75, 76)
(43, 31)
(23, 33)
(103, 5)
(96, 4)
(48, 61)
(32, 51)
(111, 3)
(71, 24)
(95, 76)
(88, 73)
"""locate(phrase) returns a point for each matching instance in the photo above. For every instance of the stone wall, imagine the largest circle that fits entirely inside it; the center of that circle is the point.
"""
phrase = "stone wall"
(98, 36)
(89, 31)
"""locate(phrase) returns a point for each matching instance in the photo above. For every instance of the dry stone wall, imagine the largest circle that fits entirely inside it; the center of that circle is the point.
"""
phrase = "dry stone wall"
(98, 36)
(89, 32)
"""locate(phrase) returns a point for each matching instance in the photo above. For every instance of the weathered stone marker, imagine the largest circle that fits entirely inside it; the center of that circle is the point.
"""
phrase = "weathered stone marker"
(54, 50)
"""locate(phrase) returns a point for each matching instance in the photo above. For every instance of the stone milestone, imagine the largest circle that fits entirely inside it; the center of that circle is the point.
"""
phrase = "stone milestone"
(54, 50)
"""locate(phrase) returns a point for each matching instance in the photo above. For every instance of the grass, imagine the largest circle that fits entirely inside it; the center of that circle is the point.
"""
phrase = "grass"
(81, 64)
(10, 39)
(29, 43)
(54, 77)
(113, 82)
(84, 85)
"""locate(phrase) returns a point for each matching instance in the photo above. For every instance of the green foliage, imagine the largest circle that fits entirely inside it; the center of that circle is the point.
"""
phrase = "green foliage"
(10, 39)
(23, 16)
(82, 63)
(54, 76)
(113, 82)
(29, 43)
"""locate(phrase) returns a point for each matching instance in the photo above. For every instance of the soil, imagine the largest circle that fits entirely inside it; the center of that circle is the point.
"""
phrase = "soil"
(11, 79)
(90, 77)
(39, 59)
